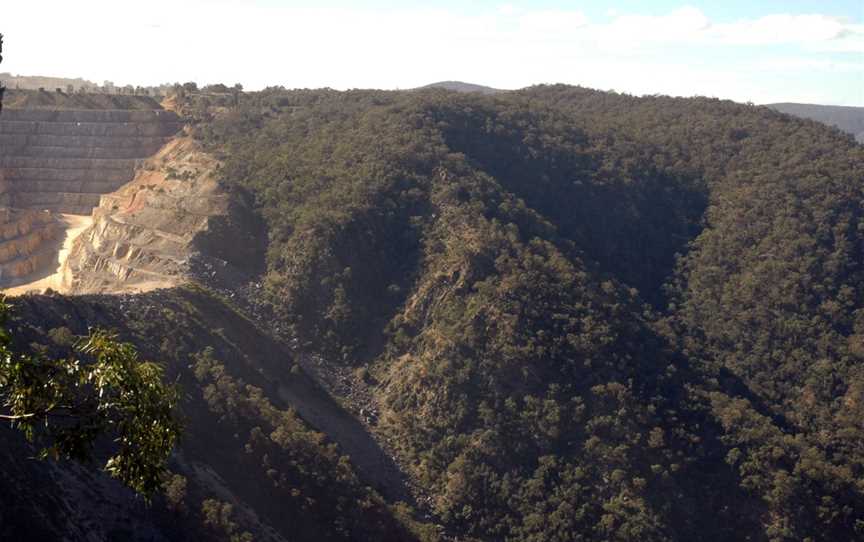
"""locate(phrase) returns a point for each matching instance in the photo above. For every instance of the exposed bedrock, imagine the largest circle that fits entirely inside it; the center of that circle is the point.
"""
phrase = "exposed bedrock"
(159, 217)
(172, 222)
(28, 241)
(64, 160)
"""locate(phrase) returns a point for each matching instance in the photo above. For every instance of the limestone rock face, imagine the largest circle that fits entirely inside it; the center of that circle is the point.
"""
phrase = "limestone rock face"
(173, 221)
(27, 242)
(64, 160)
(61, 162)
(159, 217)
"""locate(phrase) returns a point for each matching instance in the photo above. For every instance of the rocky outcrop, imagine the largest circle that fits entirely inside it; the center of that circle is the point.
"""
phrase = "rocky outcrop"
(172, 222)
(64, 160)
(28, 241)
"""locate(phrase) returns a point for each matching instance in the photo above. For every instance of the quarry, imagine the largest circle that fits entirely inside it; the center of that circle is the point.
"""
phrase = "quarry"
(106, 196)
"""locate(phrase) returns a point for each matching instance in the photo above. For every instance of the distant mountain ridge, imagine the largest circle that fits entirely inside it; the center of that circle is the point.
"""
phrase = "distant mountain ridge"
(461, 86)
(846, 118)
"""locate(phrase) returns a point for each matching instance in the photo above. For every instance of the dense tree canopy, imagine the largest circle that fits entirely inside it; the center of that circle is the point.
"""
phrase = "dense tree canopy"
(587, 315)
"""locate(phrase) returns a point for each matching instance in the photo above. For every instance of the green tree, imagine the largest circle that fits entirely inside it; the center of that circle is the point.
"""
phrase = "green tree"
(103, 389)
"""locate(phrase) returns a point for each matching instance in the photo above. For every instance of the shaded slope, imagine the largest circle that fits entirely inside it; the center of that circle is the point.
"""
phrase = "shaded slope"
(243, 443)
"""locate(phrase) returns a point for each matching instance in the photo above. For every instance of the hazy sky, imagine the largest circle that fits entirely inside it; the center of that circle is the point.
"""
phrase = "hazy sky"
(755, 50)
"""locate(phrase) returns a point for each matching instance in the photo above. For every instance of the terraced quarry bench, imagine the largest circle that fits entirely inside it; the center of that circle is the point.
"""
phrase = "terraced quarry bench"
(60, 162)
(65, 160)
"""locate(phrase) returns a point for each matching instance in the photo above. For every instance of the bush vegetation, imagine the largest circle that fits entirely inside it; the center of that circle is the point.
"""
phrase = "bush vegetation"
(592, 316)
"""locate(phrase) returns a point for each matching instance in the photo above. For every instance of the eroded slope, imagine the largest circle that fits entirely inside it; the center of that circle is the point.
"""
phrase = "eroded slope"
(172, 221)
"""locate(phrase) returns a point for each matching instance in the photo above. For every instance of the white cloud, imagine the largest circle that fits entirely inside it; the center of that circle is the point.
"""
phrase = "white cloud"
(682, 24)
(806, 64)
(509, 10)
(689, 25)
(849, 40)
(551, 23)
(780, 29)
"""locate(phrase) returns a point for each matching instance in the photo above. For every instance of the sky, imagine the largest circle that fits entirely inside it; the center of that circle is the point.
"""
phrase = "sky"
(761, 51)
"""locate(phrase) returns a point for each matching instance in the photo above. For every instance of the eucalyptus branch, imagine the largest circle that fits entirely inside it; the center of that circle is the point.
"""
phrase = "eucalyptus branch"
(17, 416)
(110, 392)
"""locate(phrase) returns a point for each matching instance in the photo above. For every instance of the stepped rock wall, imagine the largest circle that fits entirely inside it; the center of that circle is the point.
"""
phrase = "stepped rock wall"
(64, 160)
(156, 217)
(171, 223)
(27, 242)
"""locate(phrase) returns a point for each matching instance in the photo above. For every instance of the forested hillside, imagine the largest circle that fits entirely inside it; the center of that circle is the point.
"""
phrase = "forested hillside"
(566, 314)
(846, 118)
(585, 315)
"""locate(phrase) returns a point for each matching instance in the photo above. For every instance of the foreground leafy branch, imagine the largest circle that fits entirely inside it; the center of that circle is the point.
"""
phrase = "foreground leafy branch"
(103, 390)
